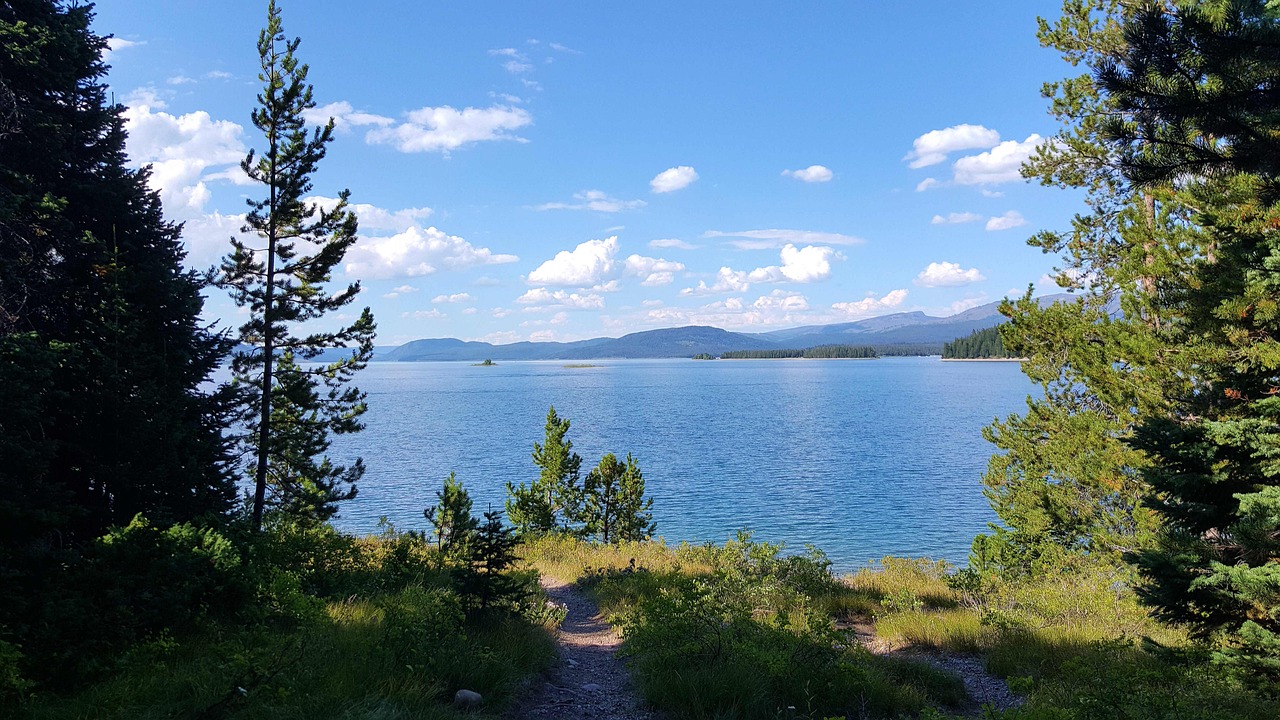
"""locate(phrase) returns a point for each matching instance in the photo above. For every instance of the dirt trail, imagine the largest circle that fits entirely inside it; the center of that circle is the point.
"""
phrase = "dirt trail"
(983, 688)
(591, 681)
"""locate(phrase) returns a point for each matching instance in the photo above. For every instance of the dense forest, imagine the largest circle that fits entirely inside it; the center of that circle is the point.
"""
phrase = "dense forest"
(854, 352)
(981, 344)
(1134, 570)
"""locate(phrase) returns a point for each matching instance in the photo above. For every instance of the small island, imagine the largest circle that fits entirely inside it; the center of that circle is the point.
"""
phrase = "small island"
(487, 363)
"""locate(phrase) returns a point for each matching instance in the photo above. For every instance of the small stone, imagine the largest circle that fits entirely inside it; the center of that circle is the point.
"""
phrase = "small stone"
(591, 687)
(468, 700)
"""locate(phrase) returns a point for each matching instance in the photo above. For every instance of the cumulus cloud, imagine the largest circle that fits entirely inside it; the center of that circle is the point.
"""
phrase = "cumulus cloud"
(927, 183)
(778, 308)
(345, 117)
(1011, 219)
(933, 147)
(208, 237)
(773, 238)
(116, 44)
(673, 179)
(967, 303)
(590, 263)
(373, 217)
(402, 290)
(539, 299)
(956, 218)
(596, 200)
(416, 252)
(431, 314)
(811, 174)
(947, 274)
(800, 265)
(654, 271)
(564, 49)
(1000, 164)
(444, 128)
(870, 305)
(676, 243)
(454, 298)
(179, 149)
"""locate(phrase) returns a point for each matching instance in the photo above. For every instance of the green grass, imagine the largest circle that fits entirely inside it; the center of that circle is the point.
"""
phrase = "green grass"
(380, 634)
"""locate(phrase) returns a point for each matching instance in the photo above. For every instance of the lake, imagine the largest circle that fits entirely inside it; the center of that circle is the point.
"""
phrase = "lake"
(862, 458)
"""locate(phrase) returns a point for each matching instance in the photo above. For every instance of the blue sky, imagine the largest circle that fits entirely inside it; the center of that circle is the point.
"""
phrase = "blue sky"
(559, 171)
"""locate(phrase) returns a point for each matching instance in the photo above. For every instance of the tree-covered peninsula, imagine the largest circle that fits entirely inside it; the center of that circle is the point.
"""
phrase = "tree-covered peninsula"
(981, 345)
(828, 352)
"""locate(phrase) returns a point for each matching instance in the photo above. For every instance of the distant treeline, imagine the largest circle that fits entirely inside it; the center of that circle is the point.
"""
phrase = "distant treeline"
(981, 344)
(821, 351)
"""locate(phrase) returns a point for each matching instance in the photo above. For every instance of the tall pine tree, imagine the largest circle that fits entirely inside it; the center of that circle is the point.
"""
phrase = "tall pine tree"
(1197, 88)
(1067, 485)
(102, 352)
(295, 408)
(552, 501)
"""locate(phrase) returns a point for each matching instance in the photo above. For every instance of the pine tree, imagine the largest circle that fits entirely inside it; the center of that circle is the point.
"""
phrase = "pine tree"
(99, 322)
(552, 501)
(485, 580)
(1196, 84)
(283, 287)
(614, 505)
(1067, 484)
(451, 519)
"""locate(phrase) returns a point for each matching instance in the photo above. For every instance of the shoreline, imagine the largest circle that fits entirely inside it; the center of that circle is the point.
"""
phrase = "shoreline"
(983, 359)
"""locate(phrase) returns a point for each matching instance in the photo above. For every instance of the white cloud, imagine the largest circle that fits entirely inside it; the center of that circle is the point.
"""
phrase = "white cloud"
(402, 290)
(727, 280)
(801, 265)
(375, 218)
(208, 237)
(991, 193)
(651, 303)
(431, 314)
(933, 147)
(673, 179)
(416, 252)
(967, 303)
(116, 44)
(1000, 164)
(766, 239)
(590, 263)
(807, 264)
(454, 298)
(655, 271)
(947, 274)
(775, 309)
(564, 49)
(870, 305)
(444, 128)
(811, 174)
(663, 243)
(1011, 219)
(596, 200)
(469, 311)
(516, 62)
(180, 80)
(179, 148)
(344, 116)
(956, 218)
(927, 183)
(540, 299)
(218, 75)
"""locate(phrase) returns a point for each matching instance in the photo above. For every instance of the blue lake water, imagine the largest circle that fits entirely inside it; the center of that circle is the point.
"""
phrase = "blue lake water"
(862, 458)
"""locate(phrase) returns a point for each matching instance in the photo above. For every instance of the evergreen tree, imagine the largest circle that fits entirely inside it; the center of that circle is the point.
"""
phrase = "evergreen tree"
(295, 408)
(552, 501)
(104, 354)
(1067, 484)
(485, 579)
(614, 505)
(1197, 86)
(451, 519)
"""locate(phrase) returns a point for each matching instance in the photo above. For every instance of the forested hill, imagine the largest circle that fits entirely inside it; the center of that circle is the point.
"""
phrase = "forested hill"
(980, 345)
(910, 333)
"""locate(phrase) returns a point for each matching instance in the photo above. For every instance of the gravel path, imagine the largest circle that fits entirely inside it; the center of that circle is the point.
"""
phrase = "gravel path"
(983, 688)
(591, 682)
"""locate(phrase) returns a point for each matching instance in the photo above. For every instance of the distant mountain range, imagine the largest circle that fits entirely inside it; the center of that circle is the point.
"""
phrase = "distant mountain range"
(901, 333)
